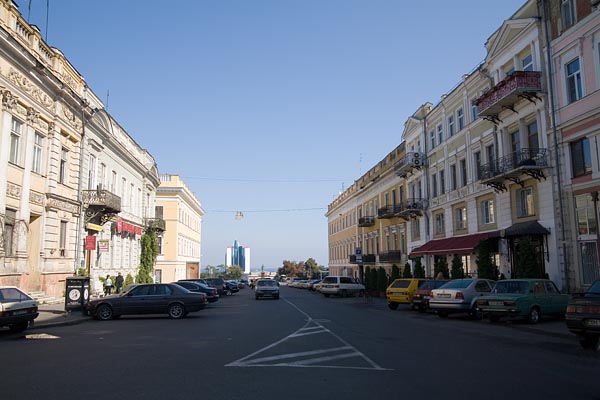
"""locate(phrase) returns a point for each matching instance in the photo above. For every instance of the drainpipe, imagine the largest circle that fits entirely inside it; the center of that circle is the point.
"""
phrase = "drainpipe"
(427, 190)
(545, 6)
(79, 189)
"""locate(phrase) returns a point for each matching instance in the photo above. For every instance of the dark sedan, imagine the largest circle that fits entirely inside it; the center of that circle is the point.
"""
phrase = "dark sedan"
(152, 298)
(583, 317)
(197, 286)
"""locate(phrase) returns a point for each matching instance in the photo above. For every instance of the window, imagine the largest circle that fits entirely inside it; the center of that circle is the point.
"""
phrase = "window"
(9, 228)
(573, 81)
(442, 182)
(385, 199)
(460, 117)
(102, 175)
(581, 157)
(489, 150)
(64, 166)
(440, 132)
(586, 220)
(525, 202)
(453, 177)
(532, 136)
(451, 125)
(477, 164)
(113, 182)
(487, 212)
(567, 13)
(461, 218)
(439, 224)
(62, 239)
(463, 172)
(527, 63)
(432, 138)
(474, 112)
(416, 228)
(124, 189)
(92, 173)
(15, 142)
(434, 191)
(515, 139)
(38, 145)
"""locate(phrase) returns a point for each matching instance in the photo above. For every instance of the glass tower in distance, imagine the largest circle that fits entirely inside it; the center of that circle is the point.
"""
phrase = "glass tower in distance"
(238, 255)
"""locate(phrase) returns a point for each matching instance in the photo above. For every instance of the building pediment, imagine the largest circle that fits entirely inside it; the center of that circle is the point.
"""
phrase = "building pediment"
(506, 35)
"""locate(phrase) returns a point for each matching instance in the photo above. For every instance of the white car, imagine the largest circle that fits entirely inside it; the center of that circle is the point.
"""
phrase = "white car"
(340, 285)
(17, 309)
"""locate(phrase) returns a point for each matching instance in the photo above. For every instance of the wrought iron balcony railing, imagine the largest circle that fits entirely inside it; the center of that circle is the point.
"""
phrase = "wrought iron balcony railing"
(389, 211)
(522, 159)
(110, 202)
(366, 221)
(369, 258)
(412, 160)
(505, 94)
(390, 256)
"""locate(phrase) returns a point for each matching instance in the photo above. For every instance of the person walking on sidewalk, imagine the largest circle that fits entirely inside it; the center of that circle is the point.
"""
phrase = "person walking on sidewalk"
(119, 282)
(107, 285)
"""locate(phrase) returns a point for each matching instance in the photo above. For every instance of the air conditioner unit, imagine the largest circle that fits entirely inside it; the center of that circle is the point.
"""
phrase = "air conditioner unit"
(417, 162)
(416, 155)
(415, 205)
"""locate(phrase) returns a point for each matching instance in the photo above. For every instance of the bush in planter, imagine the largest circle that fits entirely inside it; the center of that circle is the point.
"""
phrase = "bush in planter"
(441, 265)
(419, 272)
(457, 267)
(527, 266)
(382, 281)
(406, 272)
(367, 275)
(395, 273)
(373, 279)
(485, 264)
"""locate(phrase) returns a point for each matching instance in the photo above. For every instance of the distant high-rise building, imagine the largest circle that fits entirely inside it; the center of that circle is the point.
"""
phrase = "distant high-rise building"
(238, 255)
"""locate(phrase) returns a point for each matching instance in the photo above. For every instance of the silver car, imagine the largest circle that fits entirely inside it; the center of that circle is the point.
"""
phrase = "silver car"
(459, 295)
(266, 288)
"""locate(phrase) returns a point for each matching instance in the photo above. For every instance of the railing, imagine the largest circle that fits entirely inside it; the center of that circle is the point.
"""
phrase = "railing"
(522, 158)
(389, 211)
(506, 91)
(368, 258)
(414, 204)
(102, 198)
(409, 162)
(155, 223)
(366, 221)
(394, 255)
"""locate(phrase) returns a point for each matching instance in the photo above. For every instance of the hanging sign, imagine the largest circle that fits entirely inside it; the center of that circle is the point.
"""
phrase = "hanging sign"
(90, 242)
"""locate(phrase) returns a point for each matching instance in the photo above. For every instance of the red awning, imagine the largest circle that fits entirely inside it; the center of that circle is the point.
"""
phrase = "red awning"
(454, 245)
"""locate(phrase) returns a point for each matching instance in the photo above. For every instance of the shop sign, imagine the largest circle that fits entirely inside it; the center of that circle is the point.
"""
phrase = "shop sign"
(103, 246)
(90, 242)
(123, 226)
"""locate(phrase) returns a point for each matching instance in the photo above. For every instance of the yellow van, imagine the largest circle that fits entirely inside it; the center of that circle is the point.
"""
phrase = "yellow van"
(401, 291)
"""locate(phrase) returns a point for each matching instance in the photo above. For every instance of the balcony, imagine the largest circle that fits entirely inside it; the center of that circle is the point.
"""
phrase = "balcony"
(412, 160)
(156, 224)
(100, 205)
(366, 221)
(391, 256)
(388, 211)
(412, 208)
(512, 89)
(512, 167)
(369, 258)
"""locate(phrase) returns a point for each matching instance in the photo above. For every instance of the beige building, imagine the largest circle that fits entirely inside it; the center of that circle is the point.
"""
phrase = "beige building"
(179, 253)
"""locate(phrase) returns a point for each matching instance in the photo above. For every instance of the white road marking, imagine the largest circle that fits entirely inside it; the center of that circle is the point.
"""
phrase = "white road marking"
(312, 327)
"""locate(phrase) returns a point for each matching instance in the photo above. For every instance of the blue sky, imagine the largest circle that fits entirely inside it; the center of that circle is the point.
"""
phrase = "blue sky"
(269, 107)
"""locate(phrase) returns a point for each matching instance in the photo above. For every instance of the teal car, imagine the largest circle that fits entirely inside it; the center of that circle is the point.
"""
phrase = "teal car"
(523, 298)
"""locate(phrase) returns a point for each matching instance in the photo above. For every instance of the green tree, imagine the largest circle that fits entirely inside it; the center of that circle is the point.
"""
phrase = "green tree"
(485, 264)
(419, 272)
(458, 271)
(149, 252)
(395, 273)
(312, 268)
(128, 281)
(441, 265)
(382, 282)
(234, 272)
(368, 284)
(406, 272)
(527, 266)
(373, 279)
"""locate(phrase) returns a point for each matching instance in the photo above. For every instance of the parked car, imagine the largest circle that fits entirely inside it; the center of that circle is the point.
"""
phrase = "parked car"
(459, 296)
(150, 298)
(401, 291)
(583, 317)
(312, 283)
(341, 285)
(17, 309)
(316, 287)
(218, 283)
(523, 298)
(266, 288)
(194, 285)
(231, 288)
(422, 295)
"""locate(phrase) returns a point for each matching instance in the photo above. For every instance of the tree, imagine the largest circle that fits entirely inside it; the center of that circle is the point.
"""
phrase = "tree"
(485, 265)
(368, 284)
(128, 281)
(527, 266)
(234, 272)
(382, 282)
(441, 265)
(292, 268)
(149, 252)
(395, 273)
(406, 271)
(419, 272)
(457, 267)
(373, 278)
(312, 268)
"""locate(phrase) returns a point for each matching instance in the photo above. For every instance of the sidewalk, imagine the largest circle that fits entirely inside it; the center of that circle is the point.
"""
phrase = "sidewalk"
(55, 315)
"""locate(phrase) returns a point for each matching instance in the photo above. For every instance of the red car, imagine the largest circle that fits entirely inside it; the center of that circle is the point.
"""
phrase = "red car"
(423, 294)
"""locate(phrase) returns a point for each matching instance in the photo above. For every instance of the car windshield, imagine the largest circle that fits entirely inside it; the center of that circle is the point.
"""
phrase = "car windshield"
(516, 287)
(400, 284)
(594, 289)
(457, 284)
(267, 283)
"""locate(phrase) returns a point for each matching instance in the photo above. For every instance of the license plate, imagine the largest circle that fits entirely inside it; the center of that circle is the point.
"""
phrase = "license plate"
(592, 322)
(444, 295)
(19, 312)
(496, 303)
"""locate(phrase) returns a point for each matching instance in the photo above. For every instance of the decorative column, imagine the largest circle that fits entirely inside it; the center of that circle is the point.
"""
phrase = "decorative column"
(8, 102)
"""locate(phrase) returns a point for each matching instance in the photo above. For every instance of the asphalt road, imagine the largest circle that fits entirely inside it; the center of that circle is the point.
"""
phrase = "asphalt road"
(303, 346)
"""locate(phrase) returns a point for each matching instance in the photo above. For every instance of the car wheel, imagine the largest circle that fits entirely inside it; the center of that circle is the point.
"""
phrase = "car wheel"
(590, 342)
(393, 305)
(534, 315)
(277, 297)
(176, 311)
(326, 294)
(442, 314)
(344, 293)
(475, 313)
(422, 308)
(20, 327)
(228, 292)
(104, 312)
(361, 293)
(256, 297)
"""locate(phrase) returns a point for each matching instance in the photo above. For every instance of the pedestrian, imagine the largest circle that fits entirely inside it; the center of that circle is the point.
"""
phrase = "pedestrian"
(107, 285)
(119, 282)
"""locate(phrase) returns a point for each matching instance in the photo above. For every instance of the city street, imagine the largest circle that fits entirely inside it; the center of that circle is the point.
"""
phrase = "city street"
(301, 346)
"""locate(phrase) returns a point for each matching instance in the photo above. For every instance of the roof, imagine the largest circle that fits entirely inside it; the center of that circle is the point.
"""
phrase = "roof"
(526, 228)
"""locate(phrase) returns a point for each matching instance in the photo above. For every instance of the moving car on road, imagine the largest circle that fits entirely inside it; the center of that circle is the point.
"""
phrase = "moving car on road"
(523, 298)
(459, 296)
(17, 309)
(151, 298)
(266, 288)
(583, 317)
